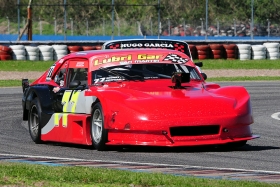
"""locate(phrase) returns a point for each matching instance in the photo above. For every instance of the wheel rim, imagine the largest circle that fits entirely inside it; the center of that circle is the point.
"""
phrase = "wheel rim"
(97, 122)
(34, 121)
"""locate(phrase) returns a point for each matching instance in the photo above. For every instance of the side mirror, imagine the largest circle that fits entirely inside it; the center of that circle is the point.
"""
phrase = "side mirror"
(25, 84)
(74, 84)
(204, 76)
(179, 78)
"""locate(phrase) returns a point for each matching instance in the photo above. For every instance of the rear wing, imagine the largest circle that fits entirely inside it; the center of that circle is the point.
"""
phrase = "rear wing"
(149, 44)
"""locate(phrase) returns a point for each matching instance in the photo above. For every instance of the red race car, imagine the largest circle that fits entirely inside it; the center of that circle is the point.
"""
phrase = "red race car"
(147, 97)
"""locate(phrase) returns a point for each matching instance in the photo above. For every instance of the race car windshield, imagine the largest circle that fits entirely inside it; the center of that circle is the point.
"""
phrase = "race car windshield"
(141, 72)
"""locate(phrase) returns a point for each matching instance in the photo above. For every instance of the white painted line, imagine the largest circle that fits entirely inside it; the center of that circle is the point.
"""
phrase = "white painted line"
(139, 163)
(276, 116)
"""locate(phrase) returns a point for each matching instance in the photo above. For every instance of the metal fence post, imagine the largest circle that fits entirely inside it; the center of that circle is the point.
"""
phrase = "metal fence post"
(8, 24)
(234, 25)
(71, 21)
(54, 25)
(169, 29)
(18, 17)
(268, 28)
(65, 20)
(87, 26)
(40, 26)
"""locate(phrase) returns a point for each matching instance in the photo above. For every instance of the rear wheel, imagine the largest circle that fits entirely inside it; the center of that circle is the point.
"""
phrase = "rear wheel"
(34, 118)
(99, 134)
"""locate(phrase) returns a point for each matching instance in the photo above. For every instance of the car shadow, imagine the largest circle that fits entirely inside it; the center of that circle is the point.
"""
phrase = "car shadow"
(194, 149)
(156, 149)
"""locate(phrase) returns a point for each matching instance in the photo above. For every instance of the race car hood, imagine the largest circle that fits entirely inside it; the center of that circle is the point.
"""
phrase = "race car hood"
(190, 101)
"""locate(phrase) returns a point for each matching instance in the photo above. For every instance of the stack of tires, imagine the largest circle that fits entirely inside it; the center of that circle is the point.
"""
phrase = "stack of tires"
(272, 50)
(230, 51)
(258, 52)
(59, 51)
(75, 48)
(98, 47)
(5, 52)
(32, 53)
(216, 51)
(45, 52)
(244, 51)
(88, 48)
(203, 51)
(18, 52)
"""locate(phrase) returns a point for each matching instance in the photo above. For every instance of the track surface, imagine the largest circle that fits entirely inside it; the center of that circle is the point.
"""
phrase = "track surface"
(258, 156)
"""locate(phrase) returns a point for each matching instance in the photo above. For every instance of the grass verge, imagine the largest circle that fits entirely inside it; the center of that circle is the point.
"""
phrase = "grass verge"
(41, 175)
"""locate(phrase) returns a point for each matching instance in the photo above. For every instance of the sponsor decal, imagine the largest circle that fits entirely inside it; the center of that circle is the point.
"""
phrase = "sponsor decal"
(80, 64)
(150, 45)
(50, 72)
(108, 79)
(125, 58)
(69, 100)
(60, 119)
(61, 61)
(176, 59)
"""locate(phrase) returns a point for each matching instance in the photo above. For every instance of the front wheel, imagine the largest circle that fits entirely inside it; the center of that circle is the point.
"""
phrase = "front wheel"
(34, 118)
(99, 134)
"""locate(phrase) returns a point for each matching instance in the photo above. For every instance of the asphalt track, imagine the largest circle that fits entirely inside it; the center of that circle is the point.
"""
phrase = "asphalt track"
(258, 160)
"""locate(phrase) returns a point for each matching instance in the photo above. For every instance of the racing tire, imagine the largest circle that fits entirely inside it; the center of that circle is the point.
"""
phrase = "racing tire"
(88, 48)
(98, 47)
(34, 119)
(99, 134)
(229, 46)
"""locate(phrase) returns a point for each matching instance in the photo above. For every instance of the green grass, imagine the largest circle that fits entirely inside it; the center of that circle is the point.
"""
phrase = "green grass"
(40, 175)
(16, 65)
(240, 64)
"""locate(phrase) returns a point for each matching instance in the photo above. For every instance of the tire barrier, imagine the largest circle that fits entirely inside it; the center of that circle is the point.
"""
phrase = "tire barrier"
(88, 48)
(18, 52)
(210, 51)
(272, 50)
(258, 52)
(98, 47)
(230, 51)
(32, 53)
(5, 53)
(45, 52)
(244, 51)
(59, 51)
(216, 51)
(202, 51)
(75, 48)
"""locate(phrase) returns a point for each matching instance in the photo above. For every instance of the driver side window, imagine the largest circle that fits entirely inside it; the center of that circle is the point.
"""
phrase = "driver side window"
(80, 74)
(60, 77)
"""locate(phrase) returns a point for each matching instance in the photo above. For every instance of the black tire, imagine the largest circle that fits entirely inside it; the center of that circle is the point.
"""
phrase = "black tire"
(34, 119)
(99, 134)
